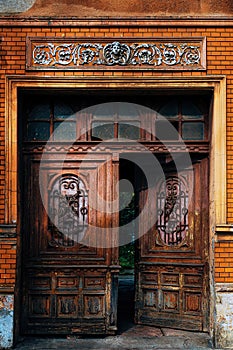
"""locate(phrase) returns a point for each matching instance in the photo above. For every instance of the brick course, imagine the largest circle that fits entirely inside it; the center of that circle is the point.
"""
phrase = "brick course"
(7, 263)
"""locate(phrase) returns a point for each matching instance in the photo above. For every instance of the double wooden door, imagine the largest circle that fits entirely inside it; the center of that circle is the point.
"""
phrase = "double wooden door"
(70, 260)
(70, 210)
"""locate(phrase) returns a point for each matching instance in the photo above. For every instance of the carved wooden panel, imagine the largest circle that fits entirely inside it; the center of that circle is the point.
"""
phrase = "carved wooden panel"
(67, 306)
(167, 296)
(95, 282)
(42, 283)
(150, 278)
(192, 280)
(150, 298)
(42, 235)
(192, 219)
(63, 294)
(93, 306)
(170, 301)
(71, 283)
(39, 306)
(170, 279)
(193, 302)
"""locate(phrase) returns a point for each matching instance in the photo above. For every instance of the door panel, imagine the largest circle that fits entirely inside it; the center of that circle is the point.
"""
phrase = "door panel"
(67, 283)
(172, 269)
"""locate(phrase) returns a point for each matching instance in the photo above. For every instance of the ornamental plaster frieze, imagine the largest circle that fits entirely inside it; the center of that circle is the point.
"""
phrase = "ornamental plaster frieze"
(116, 54)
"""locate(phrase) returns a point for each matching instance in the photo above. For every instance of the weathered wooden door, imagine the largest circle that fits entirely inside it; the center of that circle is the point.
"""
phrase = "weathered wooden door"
(69, 263)
(172, 267)
(68, 286)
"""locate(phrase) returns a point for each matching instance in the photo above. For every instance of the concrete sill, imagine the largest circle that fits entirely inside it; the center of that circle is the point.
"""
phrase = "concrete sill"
(224, 232)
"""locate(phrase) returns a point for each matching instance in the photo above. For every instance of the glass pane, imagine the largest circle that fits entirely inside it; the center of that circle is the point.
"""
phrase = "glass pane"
(40, 111)
(129, 111)
(129, 131)
(193, 131)
(64, 131)
(104, 111)
(190, 110)
(38, 131)
(63, 111)
(102, 131)
(170, 110)
(167, 130)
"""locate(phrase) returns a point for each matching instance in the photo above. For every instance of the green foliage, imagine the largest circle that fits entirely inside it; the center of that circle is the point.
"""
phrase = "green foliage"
(127, 256)
(127, 215)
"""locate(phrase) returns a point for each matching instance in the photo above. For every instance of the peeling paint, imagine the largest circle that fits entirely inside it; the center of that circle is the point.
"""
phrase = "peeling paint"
(6, 321)
(14, 6)
(224, 316)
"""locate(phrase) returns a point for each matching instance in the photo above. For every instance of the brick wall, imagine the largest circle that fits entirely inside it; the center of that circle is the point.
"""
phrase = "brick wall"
(224, 262)
(7, 262)
(219, 61)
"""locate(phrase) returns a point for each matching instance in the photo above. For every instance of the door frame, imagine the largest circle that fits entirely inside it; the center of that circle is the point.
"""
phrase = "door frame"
(217, 187)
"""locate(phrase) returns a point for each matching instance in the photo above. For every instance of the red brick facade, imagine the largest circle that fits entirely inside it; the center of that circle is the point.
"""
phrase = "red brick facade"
(13, 52)
(219, 62)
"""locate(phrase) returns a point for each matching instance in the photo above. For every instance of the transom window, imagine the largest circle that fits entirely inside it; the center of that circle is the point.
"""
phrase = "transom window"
(122, 121)
(188, 117)
(44, 118)
(188, 114)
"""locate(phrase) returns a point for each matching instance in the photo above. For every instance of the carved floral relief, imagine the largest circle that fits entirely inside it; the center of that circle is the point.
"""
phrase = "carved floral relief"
(134, 54)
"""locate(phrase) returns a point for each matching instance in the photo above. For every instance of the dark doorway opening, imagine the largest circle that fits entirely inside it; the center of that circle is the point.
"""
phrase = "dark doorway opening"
(129, 175)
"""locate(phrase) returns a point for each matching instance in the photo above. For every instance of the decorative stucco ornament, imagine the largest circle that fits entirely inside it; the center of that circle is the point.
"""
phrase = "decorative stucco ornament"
(174, 54)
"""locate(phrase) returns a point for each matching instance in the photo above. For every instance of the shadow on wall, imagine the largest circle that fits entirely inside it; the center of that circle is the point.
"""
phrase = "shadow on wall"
(125, 8)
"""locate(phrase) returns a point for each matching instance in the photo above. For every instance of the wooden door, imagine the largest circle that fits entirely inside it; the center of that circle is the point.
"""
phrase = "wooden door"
(172, 268)
(69, 268)
(68, 286)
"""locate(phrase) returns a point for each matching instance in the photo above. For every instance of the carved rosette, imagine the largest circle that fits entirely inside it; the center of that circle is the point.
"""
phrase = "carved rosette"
(79, 54)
